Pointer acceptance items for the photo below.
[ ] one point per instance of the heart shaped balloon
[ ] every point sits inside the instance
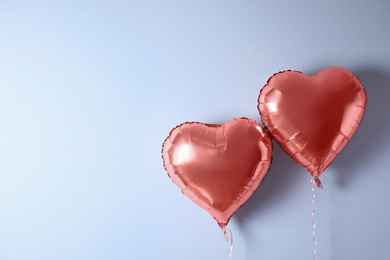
(218, 166)
(312, 118)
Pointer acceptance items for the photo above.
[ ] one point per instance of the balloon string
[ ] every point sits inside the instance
(313, 181)
(227, 239)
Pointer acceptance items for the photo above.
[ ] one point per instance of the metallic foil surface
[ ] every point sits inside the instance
(218, 167)
(312, 118)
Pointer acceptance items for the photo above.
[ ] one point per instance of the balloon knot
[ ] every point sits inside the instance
(318, 182)
(225, 233)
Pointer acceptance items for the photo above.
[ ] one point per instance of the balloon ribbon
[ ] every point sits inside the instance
(227, 239)
(314, 181)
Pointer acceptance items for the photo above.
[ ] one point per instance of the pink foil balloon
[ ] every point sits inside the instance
(218, 166)
(312, 118)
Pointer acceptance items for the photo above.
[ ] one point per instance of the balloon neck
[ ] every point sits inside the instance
(318, 182)
(223, 227)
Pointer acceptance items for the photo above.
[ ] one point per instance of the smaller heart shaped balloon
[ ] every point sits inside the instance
(312, 118)
(218, 166)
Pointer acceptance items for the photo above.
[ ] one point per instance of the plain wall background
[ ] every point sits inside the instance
(89, 90)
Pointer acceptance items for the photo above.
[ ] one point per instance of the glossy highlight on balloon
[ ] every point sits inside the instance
(218, 167)
(312, 118)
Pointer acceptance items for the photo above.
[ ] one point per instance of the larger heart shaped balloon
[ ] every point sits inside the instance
(218, 166)
(312, 118)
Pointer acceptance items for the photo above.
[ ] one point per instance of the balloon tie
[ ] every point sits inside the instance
(318, 182)
(227, 239)
(314, 181)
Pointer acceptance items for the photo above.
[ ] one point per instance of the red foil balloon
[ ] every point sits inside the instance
(312, 118)
(218, 166)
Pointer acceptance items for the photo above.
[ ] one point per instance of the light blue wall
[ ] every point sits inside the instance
(89, 90)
